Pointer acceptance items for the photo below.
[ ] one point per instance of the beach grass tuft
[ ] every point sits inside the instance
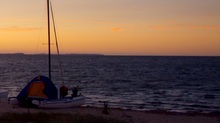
(42, 117)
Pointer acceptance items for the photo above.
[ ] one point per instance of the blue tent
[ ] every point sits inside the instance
(40, 88)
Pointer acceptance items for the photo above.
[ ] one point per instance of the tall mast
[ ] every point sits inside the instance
(48, 28)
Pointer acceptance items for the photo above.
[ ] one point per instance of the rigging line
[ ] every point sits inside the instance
(40, 38)
(57, 47)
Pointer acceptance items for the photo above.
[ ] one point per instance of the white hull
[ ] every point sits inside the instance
(61, 103)
(13, 101)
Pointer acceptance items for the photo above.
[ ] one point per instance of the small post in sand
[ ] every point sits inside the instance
(105, 110)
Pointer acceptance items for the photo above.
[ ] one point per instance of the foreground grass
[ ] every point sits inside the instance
(54, 118)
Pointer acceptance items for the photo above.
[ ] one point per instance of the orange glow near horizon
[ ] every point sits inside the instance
(142, 27)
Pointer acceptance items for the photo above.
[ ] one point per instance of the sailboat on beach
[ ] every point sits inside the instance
(41, 91)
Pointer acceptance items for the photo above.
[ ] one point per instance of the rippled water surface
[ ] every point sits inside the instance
(180, 84)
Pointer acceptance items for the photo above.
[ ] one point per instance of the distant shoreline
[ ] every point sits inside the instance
(85, 54)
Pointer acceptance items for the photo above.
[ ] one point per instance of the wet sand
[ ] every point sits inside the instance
(128, 116)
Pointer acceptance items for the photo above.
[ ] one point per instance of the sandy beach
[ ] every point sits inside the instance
(128, 116)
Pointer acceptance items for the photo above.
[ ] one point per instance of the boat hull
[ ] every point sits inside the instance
(61, 103)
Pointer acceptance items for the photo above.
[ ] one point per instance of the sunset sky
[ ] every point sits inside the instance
(113, 27)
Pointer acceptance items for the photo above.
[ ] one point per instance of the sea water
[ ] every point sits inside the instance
(176, 84)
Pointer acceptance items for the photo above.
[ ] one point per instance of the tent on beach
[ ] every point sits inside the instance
(40, 88)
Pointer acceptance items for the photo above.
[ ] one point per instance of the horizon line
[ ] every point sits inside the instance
(99, 54)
